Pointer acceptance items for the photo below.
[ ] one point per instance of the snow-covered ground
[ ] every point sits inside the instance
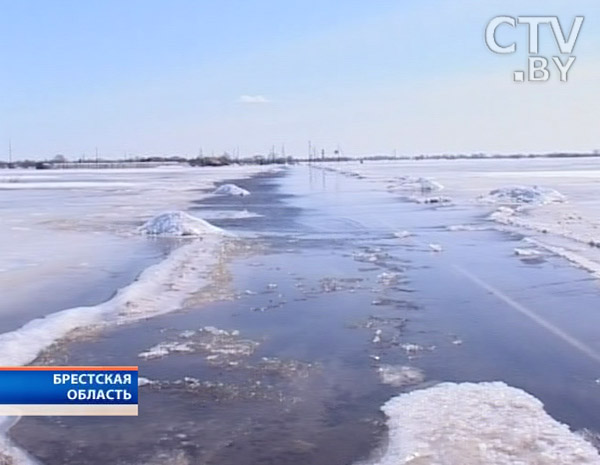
(554, 201)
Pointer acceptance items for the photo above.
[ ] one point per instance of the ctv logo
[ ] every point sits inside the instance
(539, 68)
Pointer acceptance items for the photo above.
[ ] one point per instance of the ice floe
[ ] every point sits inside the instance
(478, 424)
(178, 223)
(231, 189)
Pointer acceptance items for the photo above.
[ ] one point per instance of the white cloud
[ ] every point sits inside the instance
(254, 99)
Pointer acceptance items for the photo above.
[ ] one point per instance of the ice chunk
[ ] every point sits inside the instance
(166, 348)
(403, 234)
(436, 247)
(231, 189)
(215, 331)
(478, 424)
(178, 223)
(377, 337)
(145, 381)
(524, 195)
(411, 349)
(388, 279)
(399, 376)
(527, 253)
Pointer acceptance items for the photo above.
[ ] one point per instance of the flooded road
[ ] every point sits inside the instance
(336, 297)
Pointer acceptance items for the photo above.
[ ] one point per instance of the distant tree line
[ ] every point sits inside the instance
(60, 161)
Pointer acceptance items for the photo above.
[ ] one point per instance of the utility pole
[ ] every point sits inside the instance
(309, 151)
(10, 151)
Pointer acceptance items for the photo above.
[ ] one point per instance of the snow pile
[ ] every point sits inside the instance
(399, 376)
(532, 195)
(178, 223)
(478, 424)
(231, 189)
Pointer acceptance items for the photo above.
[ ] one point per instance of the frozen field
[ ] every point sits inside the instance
(377, 313)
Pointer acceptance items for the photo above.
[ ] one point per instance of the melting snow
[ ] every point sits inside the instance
(478, 424)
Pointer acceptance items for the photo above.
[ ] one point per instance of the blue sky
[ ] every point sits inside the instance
(168, 77)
